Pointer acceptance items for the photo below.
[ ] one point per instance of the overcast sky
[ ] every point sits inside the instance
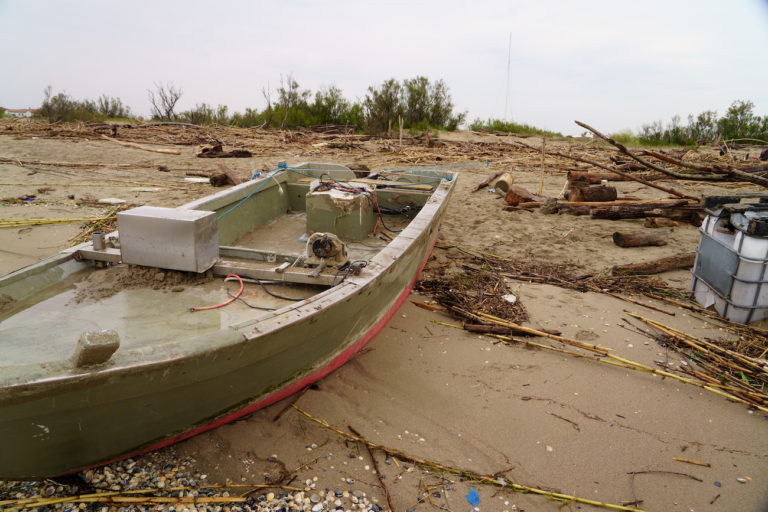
(615, 65)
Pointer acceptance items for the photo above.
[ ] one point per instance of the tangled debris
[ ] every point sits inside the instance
(562, 275)
(484, 290)
(736, 369)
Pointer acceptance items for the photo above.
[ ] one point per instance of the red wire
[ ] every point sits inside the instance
(242, 285)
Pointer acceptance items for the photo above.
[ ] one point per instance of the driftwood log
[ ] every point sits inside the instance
(659, 222)
(516, 195)
(143, 148)
(678, 261)
(503, 184)
(692, 214)
(489, 329)
(574, 209)
(487, 181)
(615, 171)
(528, 206)
(592, 194)
(217, 151)
(594, 178)
(219, 179)
(634, 211)
(231, 176)
(640, 239)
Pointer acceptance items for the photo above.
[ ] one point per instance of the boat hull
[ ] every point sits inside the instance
(56, 426)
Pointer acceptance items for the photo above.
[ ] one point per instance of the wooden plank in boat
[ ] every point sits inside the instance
(396, 184)
(247, 253)
(268, 272)
(108, 254)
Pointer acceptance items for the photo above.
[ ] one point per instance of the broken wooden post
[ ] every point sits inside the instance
(640, 239)
(231, 176)
(487, 181)
(503, 184)
(516, 195)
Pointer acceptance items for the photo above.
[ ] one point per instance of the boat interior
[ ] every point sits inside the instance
(283, 237)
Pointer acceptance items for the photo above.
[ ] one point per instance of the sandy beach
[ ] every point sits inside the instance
(527, 416)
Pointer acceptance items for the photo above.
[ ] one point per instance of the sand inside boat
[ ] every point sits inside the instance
(150, 307)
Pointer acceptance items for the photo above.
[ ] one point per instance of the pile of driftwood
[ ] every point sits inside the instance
(602, 202)
(216, 150)
(589, 192)
(484, 289)
(735, 368)
(482, 286)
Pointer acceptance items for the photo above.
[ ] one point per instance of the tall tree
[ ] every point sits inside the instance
(383, 105)
(163, 100)
(418, 101)
(293, 101)
(330, 106)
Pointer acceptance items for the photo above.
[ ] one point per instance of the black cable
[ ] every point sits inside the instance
(272, 293)
(349, 268)
(381, 218)
(371, 200)
(249, 305)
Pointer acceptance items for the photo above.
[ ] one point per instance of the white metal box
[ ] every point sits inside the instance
(169, 238)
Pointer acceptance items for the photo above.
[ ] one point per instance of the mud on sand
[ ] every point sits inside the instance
(545, 420)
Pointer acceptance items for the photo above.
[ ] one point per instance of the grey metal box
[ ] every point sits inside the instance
(169, 238)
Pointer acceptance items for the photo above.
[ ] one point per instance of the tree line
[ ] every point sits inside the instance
(740, 122)
(415, 104)
(62, 107)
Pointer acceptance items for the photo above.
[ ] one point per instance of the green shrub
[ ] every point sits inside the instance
(417, 101)
(625, 137)
(62, 107)
(498, 125)
(739, 122)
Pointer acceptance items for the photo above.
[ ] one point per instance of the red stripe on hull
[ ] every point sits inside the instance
(300, 384)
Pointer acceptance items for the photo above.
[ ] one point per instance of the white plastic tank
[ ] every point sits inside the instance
(744, 296)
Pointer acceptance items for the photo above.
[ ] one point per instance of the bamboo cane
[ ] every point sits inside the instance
(561, 339)
(692, 341)
(469, 475)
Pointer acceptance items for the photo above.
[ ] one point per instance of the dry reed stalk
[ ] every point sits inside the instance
(490, 480)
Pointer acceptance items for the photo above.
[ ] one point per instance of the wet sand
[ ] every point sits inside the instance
(533, 417)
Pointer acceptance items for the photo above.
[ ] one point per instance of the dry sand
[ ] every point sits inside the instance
(534, 417)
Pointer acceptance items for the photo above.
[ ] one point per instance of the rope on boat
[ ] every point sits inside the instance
(272, 175)
(273, 172)
(486, 163)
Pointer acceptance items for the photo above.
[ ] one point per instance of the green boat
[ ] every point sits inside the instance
(187, 318)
